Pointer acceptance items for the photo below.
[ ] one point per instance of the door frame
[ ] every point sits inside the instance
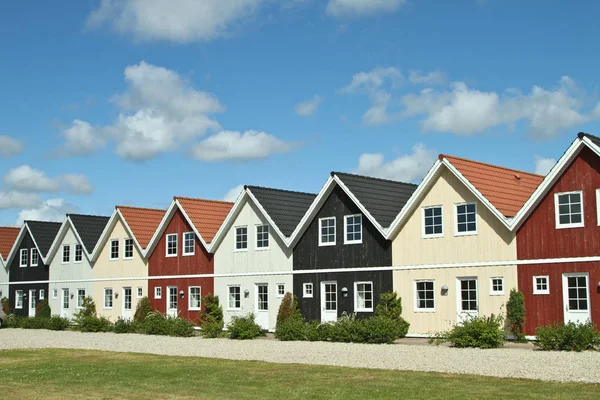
(459, 310)
(123, 310)
(31, 294)
(323, 297)
(169, 301)
(63, 311)
(565, 290)
(262, 316)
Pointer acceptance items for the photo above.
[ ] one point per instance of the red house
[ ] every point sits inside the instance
(179, 247)
(562, 220)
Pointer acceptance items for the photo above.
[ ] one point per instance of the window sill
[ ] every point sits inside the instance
(22, 266)
(465, 233)
(570, 226)
(34, 265)
(363, 310)
(189, 254)
(171, 255)
(127, 258)
(158, 298)
(77, 262)
(541, 293)
(234, 309)
(497, 294)
(306, 296)
(193, 309)
(425, 310)
(107, 308)
(354, 242)
(326, 244)
(240, 250)
(113, 259)
(437, 236)
(262, 248)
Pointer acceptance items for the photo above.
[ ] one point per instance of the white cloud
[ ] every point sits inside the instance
(10, 146)
(235, 146)
(28, 179)
(180, 21)
(14, 199)
(406, 168)
(77, 183)
(233, 193)
(431, 78)
(81, 139)
(309, 107)
(362, 8)
(49, 210)
(544, 165)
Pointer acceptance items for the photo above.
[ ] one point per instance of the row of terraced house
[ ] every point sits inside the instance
(458, 243)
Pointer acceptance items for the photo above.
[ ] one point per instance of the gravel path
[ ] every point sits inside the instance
(508, 362)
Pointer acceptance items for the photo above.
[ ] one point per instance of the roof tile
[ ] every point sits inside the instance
(7, 240)
(206, 215)
(143, 222)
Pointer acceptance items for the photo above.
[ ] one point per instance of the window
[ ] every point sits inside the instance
(497, 286)
(19, 299)
(235, 298)
(35, 257)
(80, 297)
(54, 294)
(353, 229)
(42, 294)
(78, 253)
(241, 238)
(23, 260)
(158, 292)
(307, 290)
(128, 245)
(425, 296)
(66, 253)
(263, 297)
(262, 236)
(280, 290)
(188, 244)
(466, 219)
(541, 285)
(114, 249)
(327, 231)
(568, 208)
(363, 296)
(432, 222)
(598, 205)
(172, 245)
(140, 292)
(65, 299)
(108, 298)
(194, 298)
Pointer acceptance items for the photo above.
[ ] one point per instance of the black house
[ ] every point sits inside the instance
(345, 228)
(27, 263)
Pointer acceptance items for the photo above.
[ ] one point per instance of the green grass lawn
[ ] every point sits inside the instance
(31, 374)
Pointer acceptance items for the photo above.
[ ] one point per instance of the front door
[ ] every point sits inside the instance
(64, 304)
(468, 301)
(576, 297)
(329, 301)
(32, 302)
(262, 305)
(172, 301)
(126, 303)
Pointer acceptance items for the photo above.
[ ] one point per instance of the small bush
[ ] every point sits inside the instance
(93, 324)
(124, 326)
(34, 323)
(483, 332)
(390, 306)
(210, 319)
(515, 314)
(88, 309)
(157, 324)
(42, 309)
(142, 309)
(292, 328)
(6, 306)
(180, 327)
(569, 337)
(317, 331)
(57, 323)
(346, 329)
(288, 308)
(13, 321)
(212, 329)
(244, 327)
(380, 329)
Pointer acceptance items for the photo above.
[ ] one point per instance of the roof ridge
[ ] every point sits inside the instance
(87, 215)
(441, 156)
(580, 135)
(42, 222)
(279, 190)
(141, 208)
(200, 199)
(10, 227)
(372, 177)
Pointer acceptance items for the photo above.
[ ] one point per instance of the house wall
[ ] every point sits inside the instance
(308, 255)
(3, 278)
(228, 260)
(493, 242)
(160, 265)
(121, 268)
(538, 238)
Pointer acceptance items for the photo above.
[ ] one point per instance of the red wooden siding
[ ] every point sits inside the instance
(538, 238)
(160, 265)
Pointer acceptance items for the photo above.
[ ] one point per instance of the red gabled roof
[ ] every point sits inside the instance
(142, 221)
(507, 189)
(206, 215)
(7, 240)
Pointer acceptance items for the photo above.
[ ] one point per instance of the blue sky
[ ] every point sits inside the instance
(132, 102)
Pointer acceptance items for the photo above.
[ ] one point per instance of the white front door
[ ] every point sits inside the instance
(262, 305)
(329, 301)
(32, 302)
(64, 304)
(576, 297)
(172, 301)
(126, 303)
(468, 300)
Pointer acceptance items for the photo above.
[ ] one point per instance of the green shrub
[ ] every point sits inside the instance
(157, 324)
(124, 326)
(483, 332)
(42, 309)
(57, 323)
(380, 329)
(212, 329)
(390, 305)
(88, 309)
(210, 319)
(347, 329)
(292, 328)
(142, 309)
(288, 308)
(569, 337)
(34, 323)
(515, 314)
(179, 327)
(317, 331)
(244, 327)
(6, 306)
(13, 321)
(93, 324)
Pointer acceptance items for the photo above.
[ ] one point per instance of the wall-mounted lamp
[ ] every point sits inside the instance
(181, 294)
(246, 293)
(72, 294)
(345, 291)
(444, 290)
(116, 295)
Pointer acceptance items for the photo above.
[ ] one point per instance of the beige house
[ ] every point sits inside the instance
(460, 214)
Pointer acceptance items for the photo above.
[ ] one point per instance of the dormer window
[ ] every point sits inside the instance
(568, 208)
(327, 231)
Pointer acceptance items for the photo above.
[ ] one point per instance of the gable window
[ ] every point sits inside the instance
(307, 290)
(108, 298)
(194, 298)
(78, 253)
(128, 245)
(188, 244)
(172, 245)
(432, 222)
(363, 296)
(424, 296)
(54, 294)
(262, 236)
(19, 299)
(280, 290)
(353, 229)
(114, 249)
(34, 257)
(568, 208)
(80, 297)
(466, 219)
(23, 260)
(541, 284)
(235, 298)
(327, 231)
(42, 294)
(497, 286)
(241, 238)
(66, 253)
(140, 292)
(158, 292)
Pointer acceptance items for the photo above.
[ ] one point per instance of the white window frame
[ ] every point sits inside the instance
(41, 291)
(66, 246)
(138, 295)
(26, 252)
(75, 261)
(37, 260)
(416, 297)
(433, 235)
(268, 237)
(598, 205)
(190, 308)
(110, 250)
(277, 294)
(542, 291)
(496, 292)
(305, 286)
(235, 238)
(346, 241)
(167, 245)
(356, 308)
(158, 292)
(112, 301)
(557, 216)
(468, 233)
(54, 294)
(183, 241)
(125, 249)
(84, 295)
(229, 295)
(17, 292)
(321, 231)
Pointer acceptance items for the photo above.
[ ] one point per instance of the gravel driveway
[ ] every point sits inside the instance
(508, 362)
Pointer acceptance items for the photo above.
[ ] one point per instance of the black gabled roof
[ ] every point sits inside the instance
(43, 234)
(594, 139)
(286, 208)
(89, 228)
(383, 198)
